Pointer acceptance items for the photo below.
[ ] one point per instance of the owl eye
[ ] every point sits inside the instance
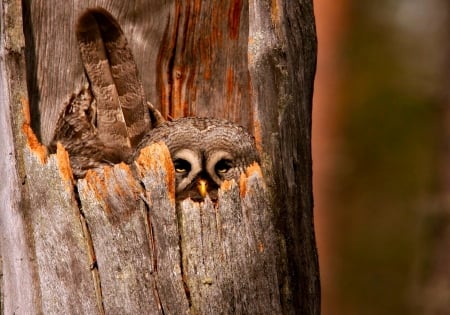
(223, 166)
(181, 166)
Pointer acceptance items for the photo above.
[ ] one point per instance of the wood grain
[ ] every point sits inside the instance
(194, 76)
(282, 63)
(54, 67)
(255, 66)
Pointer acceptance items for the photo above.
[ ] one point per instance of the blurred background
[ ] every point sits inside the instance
(381, 135)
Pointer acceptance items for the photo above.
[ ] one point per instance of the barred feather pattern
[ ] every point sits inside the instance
(109, 121)
(106, 120)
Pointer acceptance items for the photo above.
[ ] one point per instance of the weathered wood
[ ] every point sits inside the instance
(178, 49)
(56, 234)
(163, 227)
(54, 67)
(282, 63)
(230, 251)
(117, 242)
(15, 250)
(202, 64)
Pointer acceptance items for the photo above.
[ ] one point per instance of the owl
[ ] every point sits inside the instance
(109, 121)
(205, 152)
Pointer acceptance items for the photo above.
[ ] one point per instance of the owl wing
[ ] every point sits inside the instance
(122, 114)
(105, 121)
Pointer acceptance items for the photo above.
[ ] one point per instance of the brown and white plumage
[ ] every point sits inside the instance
(109, 121)
(106, 120)
(205, 153)
(123, 117)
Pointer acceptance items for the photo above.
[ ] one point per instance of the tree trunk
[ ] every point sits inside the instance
(116, 241)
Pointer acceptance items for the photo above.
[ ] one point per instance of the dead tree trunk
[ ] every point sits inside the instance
(65, 249)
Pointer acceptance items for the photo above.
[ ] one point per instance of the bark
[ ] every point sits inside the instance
(116, 241)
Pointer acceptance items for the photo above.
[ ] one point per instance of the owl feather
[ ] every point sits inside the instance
(109, 121)
(106, 120)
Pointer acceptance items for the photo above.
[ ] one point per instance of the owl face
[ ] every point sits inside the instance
(205, 152)
(199, 173)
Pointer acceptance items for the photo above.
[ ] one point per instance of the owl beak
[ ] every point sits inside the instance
(202, 186)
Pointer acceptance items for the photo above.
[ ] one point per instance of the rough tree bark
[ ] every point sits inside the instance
(64, 249)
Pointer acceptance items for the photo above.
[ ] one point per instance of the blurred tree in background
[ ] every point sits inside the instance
(382, 198)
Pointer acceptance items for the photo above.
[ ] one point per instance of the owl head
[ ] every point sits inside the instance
(205, 152)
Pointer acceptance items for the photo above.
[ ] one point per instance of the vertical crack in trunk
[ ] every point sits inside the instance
(91, 252)
(166, 63)
(150, 234)
(158, 298)
(183, 275)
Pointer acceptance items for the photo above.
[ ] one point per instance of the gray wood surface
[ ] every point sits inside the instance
(54, 67)
(282, 65)
(115, 242)
(16, 253)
